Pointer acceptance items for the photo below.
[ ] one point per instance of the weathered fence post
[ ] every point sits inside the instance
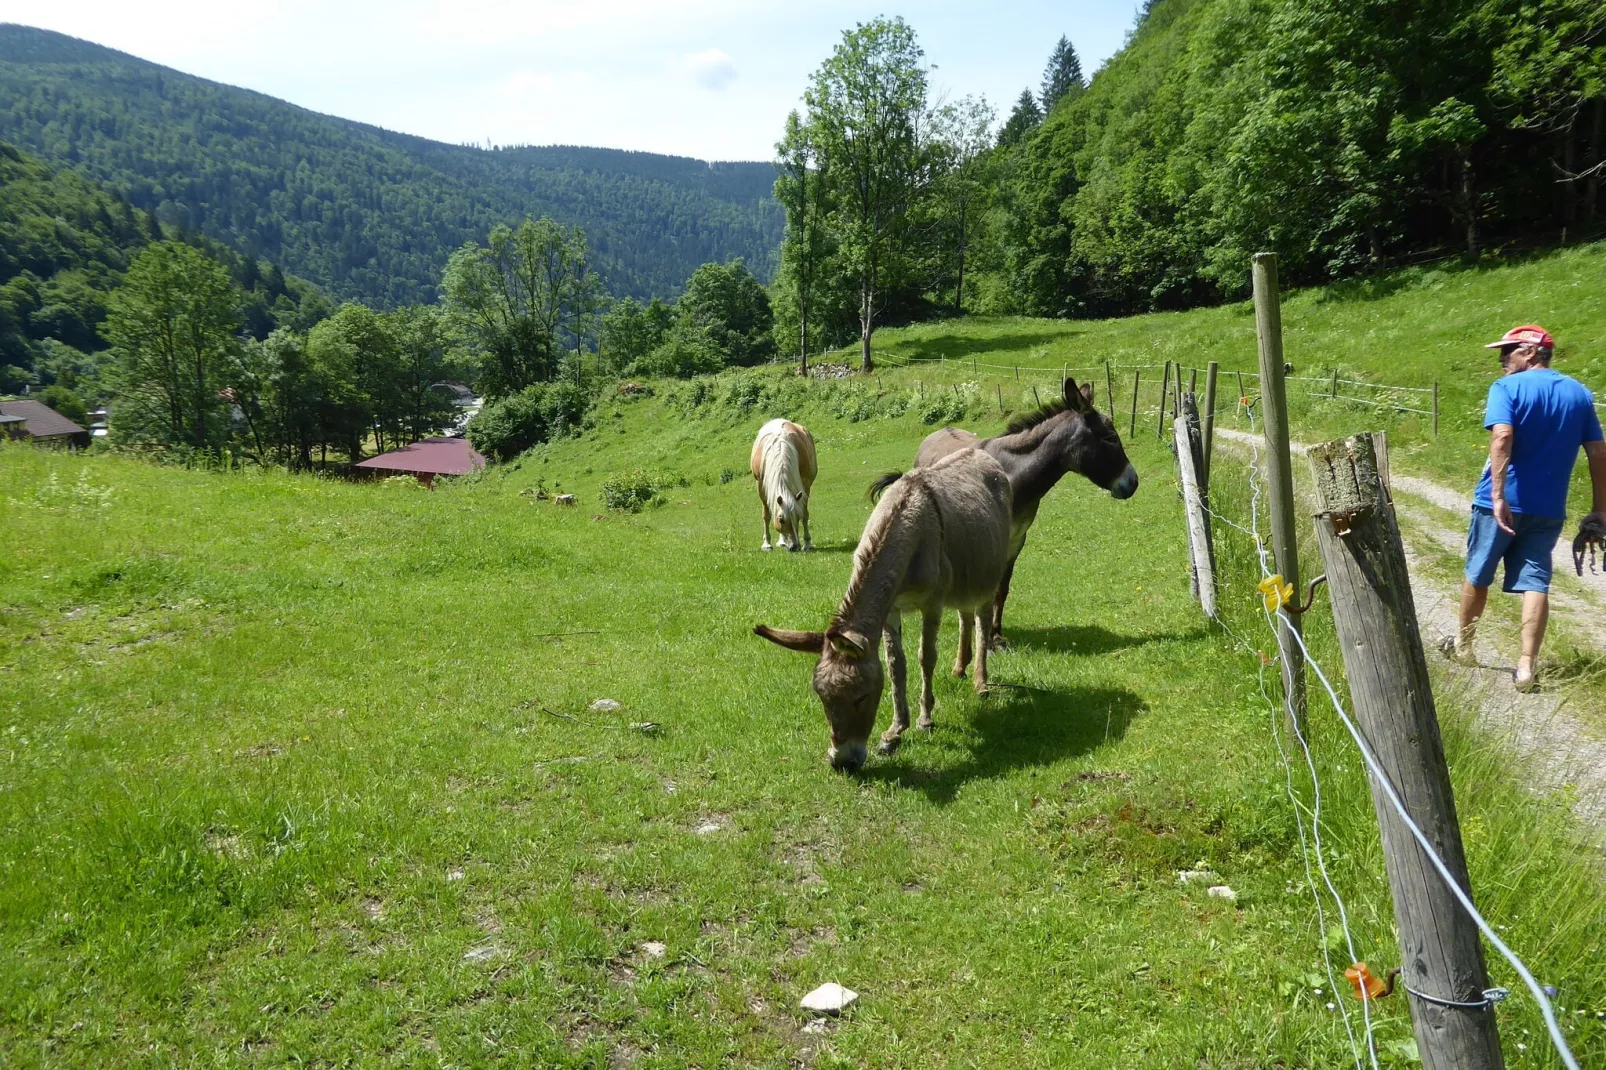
(1193, 381)
(1334, 393)
(1201, 552)
(1132, 424)
(1280, 477)
(1393, 704)
(1435, 408)
(1242, 394)
(1109, 388)
(1165, 393)
(1000, 387)
(1207, 433)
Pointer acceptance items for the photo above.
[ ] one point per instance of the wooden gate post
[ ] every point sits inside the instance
(1132, 424)
(1441, 954)
(1279, 474)
(1165, 395)
(1207, 431)
(1201, 551)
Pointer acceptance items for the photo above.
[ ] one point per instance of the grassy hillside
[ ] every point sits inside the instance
(365, 213)
(299, 770)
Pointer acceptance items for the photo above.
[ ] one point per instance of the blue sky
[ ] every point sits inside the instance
(706, 78)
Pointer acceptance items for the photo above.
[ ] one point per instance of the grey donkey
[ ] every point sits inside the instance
(1068, 434)
(938, 538)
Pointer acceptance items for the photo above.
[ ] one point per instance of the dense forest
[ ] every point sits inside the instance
(65, 245)
(1348, 137)
(364, 213)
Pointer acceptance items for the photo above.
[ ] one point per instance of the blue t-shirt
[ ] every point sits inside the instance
(1551, 417)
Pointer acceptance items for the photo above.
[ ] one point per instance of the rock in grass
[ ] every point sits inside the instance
(604, 705)
(829, 998)
(653, 949)
(1188, 876)
(1221, 891)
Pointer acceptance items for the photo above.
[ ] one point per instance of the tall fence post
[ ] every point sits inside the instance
(1435, 408)
(1109, 388)
(1393, 704)
(1242, 394)
(1165, 394)
(1280, 476)
(1201, 552)
(1207, 432)
(1132, 424)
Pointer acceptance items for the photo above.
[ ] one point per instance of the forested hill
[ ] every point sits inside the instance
(366, 213)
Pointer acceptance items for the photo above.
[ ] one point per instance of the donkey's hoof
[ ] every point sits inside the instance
(959, 672)
(889, 746)
(925, 724)
(765, 546)
(996, 643)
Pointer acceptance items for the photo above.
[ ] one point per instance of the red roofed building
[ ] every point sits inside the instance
(41, 423)
(425, 460)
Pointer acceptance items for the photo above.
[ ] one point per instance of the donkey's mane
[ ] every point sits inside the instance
(871, 544)
(1042, 415)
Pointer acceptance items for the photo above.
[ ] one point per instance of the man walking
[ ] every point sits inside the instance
(1537, 419)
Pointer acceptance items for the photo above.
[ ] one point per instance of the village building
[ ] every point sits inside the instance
(424, 461)
(40, 423)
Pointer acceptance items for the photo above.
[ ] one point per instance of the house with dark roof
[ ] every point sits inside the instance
(424, 460)
(41, 423)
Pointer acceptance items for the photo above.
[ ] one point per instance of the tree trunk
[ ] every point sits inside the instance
(866, 326)
(803, 334)
(1469, 204)
(1569, 188)
(959, 290)
(1597, 145)
(200, 404)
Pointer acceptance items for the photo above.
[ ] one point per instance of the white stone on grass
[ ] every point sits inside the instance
(603, 705)
(1188, 876)
(480, 954)
(653, 949)
(707, 828)
(1221, 891)
(829, 998)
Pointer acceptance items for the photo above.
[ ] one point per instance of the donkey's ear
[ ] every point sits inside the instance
(1078, 399)
(807, 642)
(849, 644)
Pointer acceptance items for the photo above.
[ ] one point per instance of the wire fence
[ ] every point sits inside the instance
(1311, 845)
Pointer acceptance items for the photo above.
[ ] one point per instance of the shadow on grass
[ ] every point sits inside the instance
(1087, 639)
(1014, 728)
(843, 547)
(956, 347)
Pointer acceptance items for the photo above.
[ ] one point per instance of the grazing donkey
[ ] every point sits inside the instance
(783, 463)
(1067, 435)
(938, 538)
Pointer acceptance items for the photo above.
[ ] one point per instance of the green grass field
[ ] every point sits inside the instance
(295, 771)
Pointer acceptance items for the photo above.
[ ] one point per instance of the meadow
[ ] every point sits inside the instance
(294, 770)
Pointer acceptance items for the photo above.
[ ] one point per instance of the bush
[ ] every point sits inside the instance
(951, 405)
(510, 425)
(630, 491)
(686, 351)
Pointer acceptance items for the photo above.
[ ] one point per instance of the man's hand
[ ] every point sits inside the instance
(1503, 517)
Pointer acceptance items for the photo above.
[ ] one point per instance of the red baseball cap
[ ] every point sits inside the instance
(1530, 334)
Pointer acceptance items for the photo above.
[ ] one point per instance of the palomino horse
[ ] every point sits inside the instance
(1067, 435)
(783, 464)
(938, 538)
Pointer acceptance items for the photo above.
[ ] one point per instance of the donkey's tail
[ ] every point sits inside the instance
(876, 489)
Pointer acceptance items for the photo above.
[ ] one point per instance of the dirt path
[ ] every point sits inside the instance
(1562, 755)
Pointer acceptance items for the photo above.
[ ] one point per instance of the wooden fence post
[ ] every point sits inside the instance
(1241, 392)
(1000, 387)
(1109, 388)
(1165, 394)
(1193, 381)
(1279, 475)
(1435, 408)
(1392, 698)
(1201, 552)
(1334, 393)
(1207, 432)
(1132, 424)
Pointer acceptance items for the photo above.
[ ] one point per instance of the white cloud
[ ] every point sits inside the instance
(711, 68)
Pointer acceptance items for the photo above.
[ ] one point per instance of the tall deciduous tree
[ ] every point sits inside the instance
(802, 187)
(1063, 75)
(171, 325)
(867, 110)
(963, 142)
(518, 299)
(727, 304)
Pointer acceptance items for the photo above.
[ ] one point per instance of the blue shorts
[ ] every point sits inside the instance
(1526, 554)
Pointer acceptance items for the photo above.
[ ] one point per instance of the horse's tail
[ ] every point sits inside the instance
(876, 489)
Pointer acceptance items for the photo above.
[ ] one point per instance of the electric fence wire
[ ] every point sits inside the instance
(1315, 808)
(1552, 1026)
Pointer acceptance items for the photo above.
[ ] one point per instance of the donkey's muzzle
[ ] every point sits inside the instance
(848, 758)
(1127, 485)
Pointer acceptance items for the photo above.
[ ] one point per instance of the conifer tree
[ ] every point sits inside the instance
(1063, 75)
(1026, 117)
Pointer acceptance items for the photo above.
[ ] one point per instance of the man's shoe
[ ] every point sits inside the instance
(1461, 655)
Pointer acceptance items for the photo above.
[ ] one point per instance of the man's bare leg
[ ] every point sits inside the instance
(1535, 616)
(1473, 602)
